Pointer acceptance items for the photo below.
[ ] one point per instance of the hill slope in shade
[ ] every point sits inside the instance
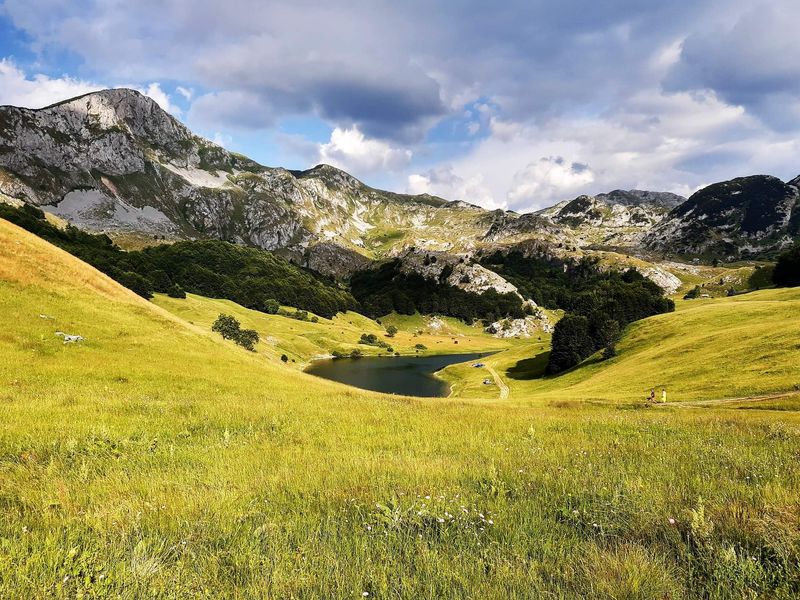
(747, 216)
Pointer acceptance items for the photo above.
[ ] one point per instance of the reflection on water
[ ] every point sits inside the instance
(406, 375)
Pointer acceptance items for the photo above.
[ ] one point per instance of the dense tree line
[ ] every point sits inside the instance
(598, 314)
(386, 289)
(598, 304)
(249, 276)
(551, 284)
(787, 269)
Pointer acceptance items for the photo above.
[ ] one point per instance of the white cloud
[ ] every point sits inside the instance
(187, 93)
(161, 98)
(349, 149)
(442, 181)
(548, 177)
(40, 90)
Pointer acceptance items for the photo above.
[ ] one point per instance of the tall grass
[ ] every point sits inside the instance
(156, 460)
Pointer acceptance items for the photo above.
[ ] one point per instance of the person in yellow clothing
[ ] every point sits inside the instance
(663, 394)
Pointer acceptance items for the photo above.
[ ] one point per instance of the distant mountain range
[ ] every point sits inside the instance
(114, 161)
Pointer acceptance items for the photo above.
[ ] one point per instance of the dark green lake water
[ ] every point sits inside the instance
(406, 375)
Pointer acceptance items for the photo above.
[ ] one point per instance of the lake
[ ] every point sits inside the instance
(406, 375)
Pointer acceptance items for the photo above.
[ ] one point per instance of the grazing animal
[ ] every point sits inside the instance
(70, 339)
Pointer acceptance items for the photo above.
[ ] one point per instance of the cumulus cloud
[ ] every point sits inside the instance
(548, 177)
(755, 62)
(154, 91)
(38, 91)
(444, 182)
(350, 150)
(660, 95)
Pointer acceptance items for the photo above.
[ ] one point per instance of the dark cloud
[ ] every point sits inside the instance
(754, 62)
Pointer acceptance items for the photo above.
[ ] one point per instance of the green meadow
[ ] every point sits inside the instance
(156, 460)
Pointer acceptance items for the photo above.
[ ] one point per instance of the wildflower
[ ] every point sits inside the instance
(440, 519)
(490, 522)
(427, 497)
(671, 521)
(365, 594)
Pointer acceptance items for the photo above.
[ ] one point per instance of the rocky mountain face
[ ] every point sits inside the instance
(114, 161)
(741, 218)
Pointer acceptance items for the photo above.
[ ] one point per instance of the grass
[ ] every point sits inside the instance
(742, 346)
(156, 460)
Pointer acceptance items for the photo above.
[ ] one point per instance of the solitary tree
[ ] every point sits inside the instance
(391, 330)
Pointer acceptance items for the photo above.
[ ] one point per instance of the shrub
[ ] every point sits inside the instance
(693, 293)
(284, 358)
(230, 329)
(271, 306)
(420, 347)
(247, 338)
(391, 331)
(787, 269)
(135, 283)
(227, 326)
(356, 353)
(760, 278)
(176, 291)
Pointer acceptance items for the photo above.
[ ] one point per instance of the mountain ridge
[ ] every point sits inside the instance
(114, 161)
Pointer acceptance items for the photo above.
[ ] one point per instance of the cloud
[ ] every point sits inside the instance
(233, 110)
(350, 150)
(548, 177)
(660, 95)
(754, 62)
(154, 91)
(443, 181)
(38, 91)
(187, 93)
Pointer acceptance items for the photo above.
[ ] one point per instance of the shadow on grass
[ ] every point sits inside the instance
(529, 368)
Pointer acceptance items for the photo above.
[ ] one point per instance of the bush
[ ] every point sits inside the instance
(391, 331)
(247, 338)
(176, 291)
(693, 293)
(135, 283)
(356, 353)
(760, 278)
(420, 347)
(787, 269)
(230, 329)
(369, 339)
(227, 326)
(271, 307)
(284, 358)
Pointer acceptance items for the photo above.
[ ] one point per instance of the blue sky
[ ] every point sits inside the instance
(516, 104)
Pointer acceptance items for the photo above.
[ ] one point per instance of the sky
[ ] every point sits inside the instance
(510, 104)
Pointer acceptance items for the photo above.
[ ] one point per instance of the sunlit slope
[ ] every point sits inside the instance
(157, 461)
(132, 349)
(302, 341)
(707, 349)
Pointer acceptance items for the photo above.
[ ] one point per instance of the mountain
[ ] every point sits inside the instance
(616, 219)
(115, 161)
(740, 218)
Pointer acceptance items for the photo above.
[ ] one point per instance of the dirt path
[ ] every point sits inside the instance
(500, 383)
(724, 401)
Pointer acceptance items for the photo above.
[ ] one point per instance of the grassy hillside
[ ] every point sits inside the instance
(747, 345)
(156, 460)
(303, 341)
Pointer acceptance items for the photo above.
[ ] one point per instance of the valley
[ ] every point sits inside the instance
(144, 454)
